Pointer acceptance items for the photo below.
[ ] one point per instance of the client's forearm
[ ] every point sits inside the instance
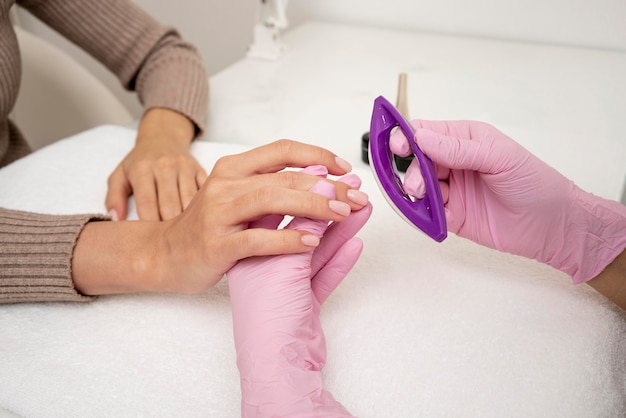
(116, 257)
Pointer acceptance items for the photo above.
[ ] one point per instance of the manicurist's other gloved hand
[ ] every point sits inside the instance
(276, 301)
(498, 194)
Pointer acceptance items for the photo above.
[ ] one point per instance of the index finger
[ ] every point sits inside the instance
(277, 156)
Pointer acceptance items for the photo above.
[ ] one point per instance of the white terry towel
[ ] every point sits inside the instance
(417, 328)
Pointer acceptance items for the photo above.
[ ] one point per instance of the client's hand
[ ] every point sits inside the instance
(160, 170)
(276, 301)
(191, 252)
(498, 194)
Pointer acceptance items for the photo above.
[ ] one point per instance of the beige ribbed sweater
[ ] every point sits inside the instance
(152, 59)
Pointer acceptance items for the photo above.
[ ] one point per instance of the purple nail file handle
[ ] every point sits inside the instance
(426, 214)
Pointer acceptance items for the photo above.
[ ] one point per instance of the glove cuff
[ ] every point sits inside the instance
(595, 234)
(289, 393)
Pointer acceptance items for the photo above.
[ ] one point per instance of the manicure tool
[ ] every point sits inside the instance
(426, 214)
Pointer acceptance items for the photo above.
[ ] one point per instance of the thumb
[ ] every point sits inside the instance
(338, 267)
(337, 235)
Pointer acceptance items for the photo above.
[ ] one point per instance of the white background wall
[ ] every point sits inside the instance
(600, 23)
(222, 29)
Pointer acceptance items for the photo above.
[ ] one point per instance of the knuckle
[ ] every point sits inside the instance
(285, 240)
(289, 179)
(483, 125)
(266, 243)
(216, 186)
(139, 172)
(247, 241)
(111, 180)
(264, 195)
(115, 176)
(141, 166)
(284, 146)
(262, 200)
(166, 164)
(222, 164)
(143, 201)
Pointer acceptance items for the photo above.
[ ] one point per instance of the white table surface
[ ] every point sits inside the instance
(566, 105)
(417, 328)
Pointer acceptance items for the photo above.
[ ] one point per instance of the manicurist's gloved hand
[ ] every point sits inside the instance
(276, 301)
(498, 194)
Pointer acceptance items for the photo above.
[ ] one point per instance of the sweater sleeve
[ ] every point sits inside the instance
(146, 56)
(36, 256)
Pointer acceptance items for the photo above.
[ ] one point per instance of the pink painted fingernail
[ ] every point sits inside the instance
(339, 207)
(358, 196)
(310, 240)
(343, 164)
(113, 215)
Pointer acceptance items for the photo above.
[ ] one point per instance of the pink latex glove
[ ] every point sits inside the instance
(276, 301)
(498, 194)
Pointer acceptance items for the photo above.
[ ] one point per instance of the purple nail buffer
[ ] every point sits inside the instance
(426, 214)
